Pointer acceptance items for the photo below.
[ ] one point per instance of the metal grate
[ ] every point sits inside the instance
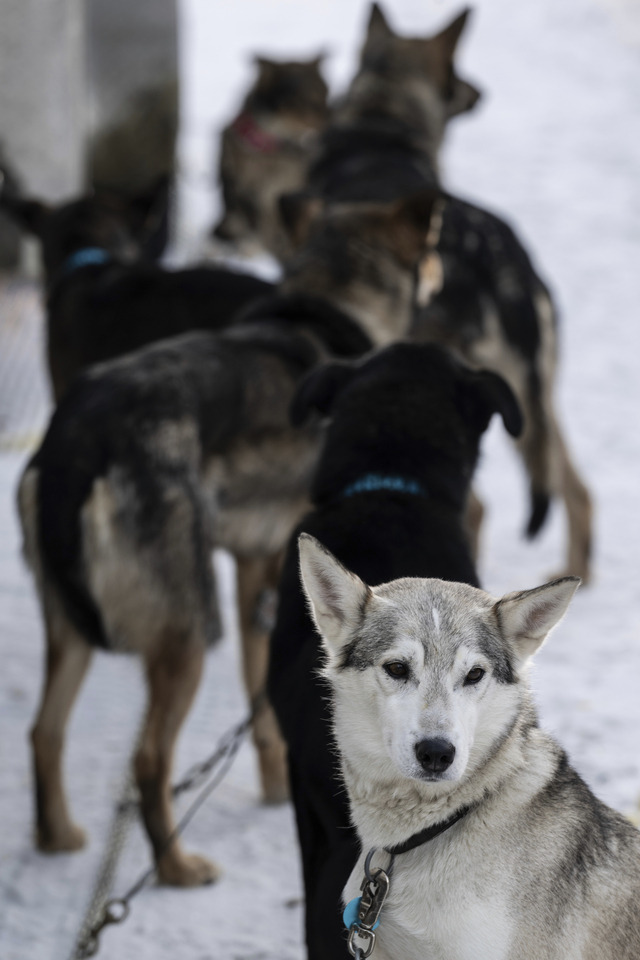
(25, 402)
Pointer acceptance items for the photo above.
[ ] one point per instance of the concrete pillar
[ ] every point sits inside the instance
(42, 100)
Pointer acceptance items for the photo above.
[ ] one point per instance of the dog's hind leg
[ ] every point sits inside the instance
(68, 657)
(173, 673)
(257, 577)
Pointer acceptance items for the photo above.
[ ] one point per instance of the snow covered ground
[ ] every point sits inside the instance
(555, 147)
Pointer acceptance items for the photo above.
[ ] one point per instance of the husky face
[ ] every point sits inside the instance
(426, 675)
(437, 680)
(428, 684)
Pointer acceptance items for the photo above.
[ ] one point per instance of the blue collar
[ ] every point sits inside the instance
(87, 256)
(372, 482)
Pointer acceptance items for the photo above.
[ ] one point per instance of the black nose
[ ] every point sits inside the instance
(435, 756)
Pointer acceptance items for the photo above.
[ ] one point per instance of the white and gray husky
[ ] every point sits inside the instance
(439, 742)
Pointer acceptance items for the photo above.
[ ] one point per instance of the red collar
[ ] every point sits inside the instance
(250, 132)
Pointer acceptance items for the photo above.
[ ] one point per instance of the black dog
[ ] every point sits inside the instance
(390, 494)
(99, 305)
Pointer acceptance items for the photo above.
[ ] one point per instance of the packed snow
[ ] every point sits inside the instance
(555, 148)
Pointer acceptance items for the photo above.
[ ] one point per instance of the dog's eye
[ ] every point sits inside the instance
(397, 669)
(474, 676)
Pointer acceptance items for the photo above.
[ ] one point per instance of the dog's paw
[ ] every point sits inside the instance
(187, 870)
(64, 839)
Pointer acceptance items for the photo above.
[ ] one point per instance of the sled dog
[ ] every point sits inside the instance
(154, 459)
(437, 732)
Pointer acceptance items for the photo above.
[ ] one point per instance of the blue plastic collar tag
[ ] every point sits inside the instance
(350, 914)
(85, 257)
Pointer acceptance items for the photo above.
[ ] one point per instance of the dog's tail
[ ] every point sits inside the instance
(52, 490)
(535, 446)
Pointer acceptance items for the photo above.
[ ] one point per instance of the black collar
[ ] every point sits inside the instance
(429, 833)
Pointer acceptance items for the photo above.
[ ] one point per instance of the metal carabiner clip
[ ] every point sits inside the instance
(369, 938)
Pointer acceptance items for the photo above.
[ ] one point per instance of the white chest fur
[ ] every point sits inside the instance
(441, 909)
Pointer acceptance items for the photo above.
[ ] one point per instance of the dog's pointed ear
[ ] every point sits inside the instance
(336, 596)
(319, 389)
(447, 40)
(297, 212)
(378, 26)
(460, 95)
(490, 393)
(526, 618)
(29, 215)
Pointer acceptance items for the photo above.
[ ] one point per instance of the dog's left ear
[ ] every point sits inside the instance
(490, 394)
(336, 596)
(319, 390)
(527, 618)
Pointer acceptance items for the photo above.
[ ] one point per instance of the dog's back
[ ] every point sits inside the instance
(98, 315)
(122, 474)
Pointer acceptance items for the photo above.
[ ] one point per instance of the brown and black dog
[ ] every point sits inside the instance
(492, 308)
(153, 460)
(265, 150)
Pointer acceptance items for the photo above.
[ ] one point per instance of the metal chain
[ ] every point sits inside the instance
(374, 892)
(123, 818)
(116, 910)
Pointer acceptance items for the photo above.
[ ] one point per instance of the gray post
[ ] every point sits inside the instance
(132, 57)
(42, 94)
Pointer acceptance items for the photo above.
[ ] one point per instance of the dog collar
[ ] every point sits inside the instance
(371, 482)
(429, 833)
(250, 132)
(361, 915)
(85, 257)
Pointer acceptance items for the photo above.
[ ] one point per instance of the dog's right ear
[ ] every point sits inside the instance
(29, 215)
(318, 390)
(336, 596)
(492, 394)
(297, 212)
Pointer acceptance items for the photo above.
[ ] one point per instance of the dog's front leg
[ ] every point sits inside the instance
(173, 673)
(257, 579)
